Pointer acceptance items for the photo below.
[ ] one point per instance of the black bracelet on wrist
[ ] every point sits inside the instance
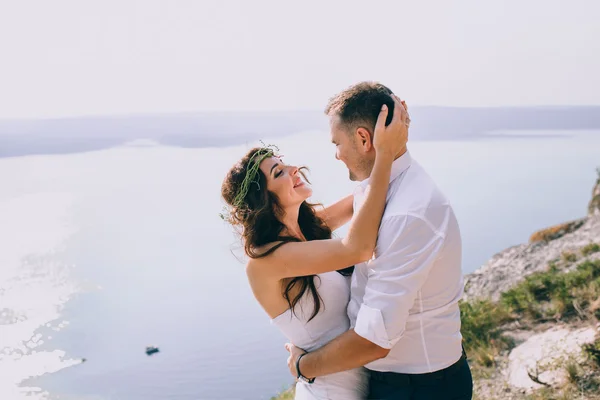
(300, 376)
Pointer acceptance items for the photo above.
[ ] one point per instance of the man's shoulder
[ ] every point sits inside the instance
(414, 194)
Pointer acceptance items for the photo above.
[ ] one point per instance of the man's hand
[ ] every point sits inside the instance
(295, 352)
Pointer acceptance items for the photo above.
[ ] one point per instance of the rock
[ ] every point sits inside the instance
(543, 357)
(594, 206)
(512, 265)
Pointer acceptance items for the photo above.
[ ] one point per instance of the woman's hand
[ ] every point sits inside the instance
(295, 352)
(390, 140)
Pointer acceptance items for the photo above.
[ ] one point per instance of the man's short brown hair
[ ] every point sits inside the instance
(360, 104)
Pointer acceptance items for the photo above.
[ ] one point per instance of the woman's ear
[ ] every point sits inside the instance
(365, 139)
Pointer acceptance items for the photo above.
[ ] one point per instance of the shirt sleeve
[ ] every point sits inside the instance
(407, 248)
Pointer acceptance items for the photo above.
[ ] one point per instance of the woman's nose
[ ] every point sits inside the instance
(294, 170)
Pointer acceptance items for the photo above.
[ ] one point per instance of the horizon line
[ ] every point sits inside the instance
(277, 111)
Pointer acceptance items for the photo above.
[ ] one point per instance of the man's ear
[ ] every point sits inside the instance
(365, 139)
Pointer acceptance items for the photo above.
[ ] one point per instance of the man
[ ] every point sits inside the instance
(404, 315)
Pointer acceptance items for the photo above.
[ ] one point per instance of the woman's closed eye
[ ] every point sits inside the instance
(278, 173)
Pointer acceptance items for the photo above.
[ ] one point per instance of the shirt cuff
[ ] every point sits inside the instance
(370, 325)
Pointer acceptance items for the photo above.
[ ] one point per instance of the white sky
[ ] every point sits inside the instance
(61, 58)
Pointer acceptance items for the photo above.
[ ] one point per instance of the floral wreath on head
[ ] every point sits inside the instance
(252, 169)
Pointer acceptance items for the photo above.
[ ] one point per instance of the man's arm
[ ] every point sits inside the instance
(407, 248)
(339, 213)
(345, 352)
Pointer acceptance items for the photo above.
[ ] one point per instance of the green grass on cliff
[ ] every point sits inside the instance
(557, 295)
(481, 322)
(590, 248)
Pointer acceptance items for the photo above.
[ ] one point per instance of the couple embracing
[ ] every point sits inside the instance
(373, 315)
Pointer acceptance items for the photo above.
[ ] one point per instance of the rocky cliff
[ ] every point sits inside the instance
(530, 315)
(514, 264)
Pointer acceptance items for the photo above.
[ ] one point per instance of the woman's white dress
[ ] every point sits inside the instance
(332, 321)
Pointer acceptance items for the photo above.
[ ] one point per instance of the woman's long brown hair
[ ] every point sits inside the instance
(260, 220)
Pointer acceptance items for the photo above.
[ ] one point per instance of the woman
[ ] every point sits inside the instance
(297, 272)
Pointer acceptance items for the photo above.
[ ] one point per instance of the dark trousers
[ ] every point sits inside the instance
(452, 383)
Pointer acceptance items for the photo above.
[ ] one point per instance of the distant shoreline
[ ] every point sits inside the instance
(197, 130)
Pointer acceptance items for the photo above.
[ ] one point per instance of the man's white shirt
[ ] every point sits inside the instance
(406, 297)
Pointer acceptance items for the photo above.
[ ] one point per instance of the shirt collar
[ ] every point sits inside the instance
(399, 165)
